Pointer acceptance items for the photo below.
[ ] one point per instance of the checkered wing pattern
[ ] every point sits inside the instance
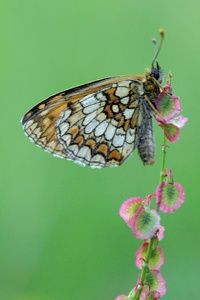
(98, 124)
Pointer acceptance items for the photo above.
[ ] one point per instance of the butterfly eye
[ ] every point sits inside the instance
(157, 73)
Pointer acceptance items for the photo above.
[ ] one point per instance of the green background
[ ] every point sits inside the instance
(61, 236)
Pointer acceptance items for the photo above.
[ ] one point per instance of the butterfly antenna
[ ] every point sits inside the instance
(157, 49)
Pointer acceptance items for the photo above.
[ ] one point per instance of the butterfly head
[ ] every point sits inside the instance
(157, 72)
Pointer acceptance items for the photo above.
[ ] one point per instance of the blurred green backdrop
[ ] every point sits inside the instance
(61, 236)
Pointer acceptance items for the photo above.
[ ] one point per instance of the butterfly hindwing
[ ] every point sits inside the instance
(97, 124)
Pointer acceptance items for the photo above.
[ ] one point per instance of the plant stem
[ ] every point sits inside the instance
(145, 267)
(163, 158)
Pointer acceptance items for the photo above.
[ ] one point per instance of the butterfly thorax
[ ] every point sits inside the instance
(151, 86)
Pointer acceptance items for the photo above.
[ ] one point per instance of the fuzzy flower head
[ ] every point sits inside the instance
(129, 208)
(156, 259)
(168, 106)
(143, 221)
(154, 283)
(169, 196)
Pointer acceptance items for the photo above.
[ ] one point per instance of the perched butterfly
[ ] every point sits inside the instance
(100, 123)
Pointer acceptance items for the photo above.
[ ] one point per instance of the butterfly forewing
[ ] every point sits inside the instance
(98, 124)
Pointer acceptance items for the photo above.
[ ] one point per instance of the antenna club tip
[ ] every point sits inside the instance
(162, 32)
(154, 41)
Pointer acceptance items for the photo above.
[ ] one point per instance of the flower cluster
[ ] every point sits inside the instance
(145, 221)
(168, 106)
(145, 224)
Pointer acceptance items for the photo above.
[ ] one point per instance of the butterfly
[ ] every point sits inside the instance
(99, 124)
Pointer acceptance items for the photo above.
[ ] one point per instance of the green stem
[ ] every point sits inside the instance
(163, 158)
(145, 267)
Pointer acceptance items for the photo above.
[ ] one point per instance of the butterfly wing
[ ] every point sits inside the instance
(98, 124)
(39, 123)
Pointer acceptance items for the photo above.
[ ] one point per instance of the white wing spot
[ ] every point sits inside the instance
(91, 126)
(37, 132)
(99, 159)
(29, 123)
(115, 108)
(127, 149)
(64, 115)
(120, 131)
(89, 118)
(63, 128)
(89, 100)
(130, 136)
(101, 97)
(85, 152)
(125, 100)
(128, 113)
(42, 141)
(67, 139)
(124, 83)
(122, 92)
(73, 150)
(118, 140)
(110, 131)
(91, 108)
(52, 145)
(101, 117)
(74, 118)
(100, 129)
